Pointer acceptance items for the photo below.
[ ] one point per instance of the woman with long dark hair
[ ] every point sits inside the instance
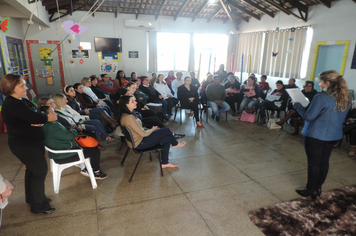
(120, 79)
(26, 139)
(323, 128)
(146, 138)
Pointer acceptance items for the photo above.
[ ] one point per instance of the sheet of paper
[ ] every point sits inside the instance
(272, 97)
(298, 96)
(154, 104)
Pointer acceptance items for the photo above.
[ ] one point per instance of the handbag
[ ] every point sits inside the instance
(86, 141)
(271, 124)
(248, 117)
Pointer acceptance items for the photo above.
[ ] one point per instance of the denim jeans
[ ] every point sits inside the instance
(96, 127)
(217, 109)
(162, 136)
(248, 103)
(318, 154)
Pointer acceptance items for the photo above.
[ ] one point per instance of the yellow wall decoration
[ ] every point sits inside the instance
(345, 42)
(101, 59)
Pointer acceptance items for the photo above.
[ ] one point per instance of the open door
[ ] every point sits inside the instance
(329, 56)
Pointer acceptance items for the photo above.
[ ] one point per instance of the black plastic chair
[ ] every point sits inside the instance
(205, 108)
(156, 149)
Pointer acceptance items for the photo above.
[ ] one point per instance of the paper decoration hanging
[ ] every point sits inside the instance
(289, 51)
(81, 61)
(274, 54)
(108, 67)
(292, 29)
(4, 24)
(276, 41)
(277, 28)
(72, 28)
(291, 39)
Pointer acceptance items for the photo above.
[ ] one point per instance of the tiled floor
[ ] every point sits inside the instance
(226, 170)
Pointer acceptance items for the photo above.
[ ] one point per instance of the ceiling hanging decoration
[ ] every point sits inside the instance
(4, 24)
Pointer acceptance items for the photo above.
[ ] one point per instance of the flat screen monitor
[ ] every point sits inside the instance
(108, 44)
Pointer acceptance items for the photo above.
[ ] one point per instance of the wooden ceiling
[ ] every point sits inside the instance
(234, 10)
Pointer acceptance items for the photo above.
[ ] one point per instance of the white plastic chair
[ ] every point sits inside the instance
(57, 169)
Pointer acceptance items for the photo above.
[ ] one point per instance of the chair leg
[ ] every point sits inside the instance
(160, 162)
(175, 114)
(150, 157)
(124, 158)
(122, 142)
(91, 173)
(135, 168)
(55, 176)
(206, 114)
(180, 116)
(226, 116)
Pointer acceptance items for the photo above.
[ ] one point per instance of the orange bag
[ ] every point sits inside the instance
(86, 141)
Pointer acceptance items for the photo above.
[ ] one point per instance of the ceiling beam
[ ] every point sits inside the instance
(301, 9)
(180, 10)
(159, 9)
(139, 8)
(327, 3)
(67, 13)
(258, 7)
(250, 13)
(225, 6)
(201, 10)
(215, 14)
(116, 9)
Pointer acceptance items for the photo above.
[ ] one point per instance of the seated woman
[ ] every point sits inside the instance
(99, 92)
(65, 111)
(233, 94)
(309, 92)
(107, 85)
(278, 104)
(139, 94)
(252, 93)
(188, 97)
(96, 113)
(163, 89)
(58, 137)
(120, 79)
(146, 138)
(88, 91)
(204, 84)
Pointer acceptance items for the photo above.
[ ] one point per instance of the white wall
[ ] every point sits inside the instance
(106, 25)
(336, 23)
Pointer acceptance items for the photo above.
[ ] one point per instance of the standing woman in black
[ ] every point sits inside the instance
(26, 139)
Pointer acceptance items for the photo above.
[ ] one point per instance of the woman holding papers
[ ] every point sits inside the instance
(232, 89)
(277, 100)
(323, 128)
(252, 93)
(309, 92)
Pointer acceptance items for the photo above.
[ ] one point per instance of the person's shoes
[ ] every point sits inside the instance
(180, 144)
(178, 136)
(262, 121)
(308, 193)
(101, 148)
(213, 116)
(218, 118)
(166, 117)
(100, 175)
(191, 114)
(318, 192)
(85, 172)
(50, 210)
(200, 125)
(234, 114)
(169, 165)
(111, 139)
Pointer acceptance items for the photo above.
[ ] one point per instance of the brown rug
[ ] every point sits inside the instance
(333, 213)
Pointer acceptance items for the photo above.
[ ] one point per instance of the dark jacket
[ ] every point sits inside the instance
(184, 94)
(73, 103)
(284, 97)
(235, 85)
(85, 100)
(152, 93)
(18, 115)
(98, 91)
(59, 138)
(257, 91)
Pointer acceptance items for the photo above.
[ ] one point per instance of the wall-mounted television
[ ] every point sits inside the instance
(108, 44)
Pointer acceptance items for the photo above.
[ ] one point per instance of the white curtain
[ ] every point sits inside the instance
(191, 62)
(152, 51)
(232, 53)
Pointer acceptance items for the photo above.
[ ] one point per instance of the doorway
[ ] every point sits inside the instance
(329, 56)
(43, 81)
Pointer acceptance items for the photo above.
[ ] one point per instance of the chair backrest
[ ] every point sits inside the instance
(128, 135)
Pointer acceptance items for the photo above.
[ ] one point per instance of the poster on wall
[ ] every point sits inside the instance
(108, 67)
(80, 54)
(353, 62)
(133, 54)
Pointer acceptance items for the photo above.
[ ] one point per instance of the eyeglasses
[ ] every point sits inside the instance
(49, 103)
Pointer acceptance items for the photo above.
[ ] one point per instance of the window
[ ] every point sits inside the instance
(172, 51)
(213, 50)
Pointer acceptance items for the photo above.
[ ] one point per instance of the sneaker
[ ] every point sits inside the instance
(218, 118)
(100, 175)
(213, 116)
(85, 172)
